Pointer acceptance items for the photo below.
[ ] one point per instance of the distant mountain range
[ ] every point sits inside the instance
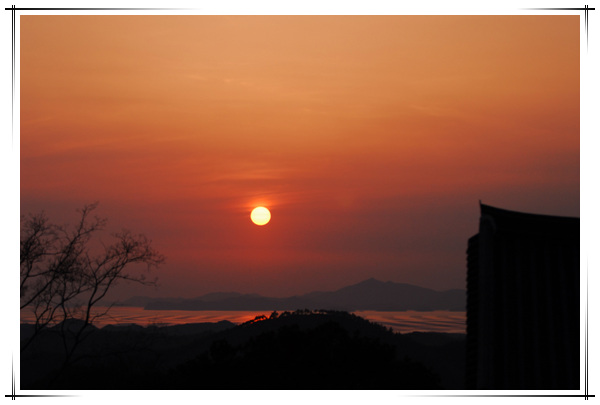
(370, 294)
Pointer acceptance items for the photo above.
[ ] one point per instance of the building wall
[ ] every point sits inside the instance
(472, 312)
(523, 302)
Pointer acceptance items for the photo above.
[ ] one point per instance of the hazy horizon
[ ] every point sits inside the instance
(276, 295)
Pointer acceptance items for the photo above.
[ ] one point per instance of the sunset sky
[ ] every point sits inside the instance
(370, 138)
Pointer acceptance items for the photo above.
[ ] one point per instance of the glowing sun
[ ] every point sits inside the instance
(260, 216)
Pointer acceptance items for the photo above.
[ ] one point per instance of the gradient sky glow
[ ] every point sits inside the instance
(371, 139)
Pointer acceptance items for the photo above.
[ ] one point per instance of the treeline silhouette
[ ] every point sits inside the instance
(326, 357)
(293, 350)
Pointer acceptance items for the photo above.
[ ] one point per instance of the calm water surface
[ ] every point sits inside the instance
(401, 321)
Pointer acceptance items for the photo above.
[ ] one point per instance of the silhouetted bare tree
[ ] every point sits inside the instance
(63, 277)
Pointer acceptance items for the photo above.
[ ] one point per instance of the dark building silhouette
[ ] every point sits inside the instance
(523, 302)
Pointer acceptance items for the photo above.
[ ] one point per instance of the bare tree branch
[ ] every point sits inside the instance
(62, 280)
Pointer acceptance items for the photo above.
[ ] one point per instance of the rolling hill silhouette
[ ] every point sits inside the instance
(370, 294)
(291, 350)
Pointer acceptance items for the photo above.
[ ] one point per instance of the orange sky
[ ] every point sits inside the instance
(371, 139)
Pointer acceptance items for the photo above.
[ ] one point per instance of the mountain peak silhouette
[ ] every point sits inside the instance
(370, 294)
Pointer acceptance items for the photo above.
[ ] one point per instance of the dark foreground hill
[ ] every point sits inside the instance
(292, 350)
